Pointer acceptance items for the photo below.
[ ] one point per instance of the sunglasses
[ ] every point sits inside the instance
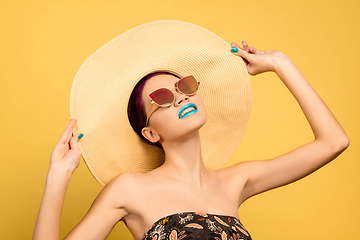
(164, 97)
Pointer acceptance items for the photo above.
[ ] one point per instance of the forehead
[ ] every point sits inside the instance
(159, 81)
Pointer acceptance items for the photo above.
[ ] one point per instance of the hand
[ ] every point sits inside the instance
(257, 61)
(66, 154)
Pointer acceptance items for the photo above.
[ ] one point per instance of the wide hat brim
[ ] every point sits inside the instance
(102, 86)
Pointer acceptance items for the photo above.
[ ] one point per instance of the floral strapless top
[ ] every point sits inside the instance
(194, 225)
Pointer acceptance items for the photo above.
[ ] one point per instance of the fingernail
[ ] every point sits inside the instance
(234, 49)
(80, 136)
(231, 43)
(242, 42)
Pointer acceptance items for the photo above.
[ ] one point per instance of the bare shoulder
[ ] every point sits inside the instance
(125, 190)
(125, 179)
(127, 183)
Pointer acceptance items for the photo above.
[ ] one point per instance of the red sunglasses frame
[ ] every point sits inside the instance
(168, 104)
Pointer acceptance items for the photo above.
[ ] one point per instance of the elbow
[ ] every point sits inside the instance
(337, 146)
(346, 143)
(341, 145)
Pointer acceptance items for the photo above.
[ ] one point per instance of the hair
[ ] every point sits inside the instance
(136, 111)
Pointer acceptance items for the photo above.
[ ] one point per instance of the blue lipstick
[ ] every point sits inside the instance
(192, 110)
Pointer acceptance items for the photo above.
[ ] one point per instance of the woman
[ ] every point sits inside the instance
(182, 197)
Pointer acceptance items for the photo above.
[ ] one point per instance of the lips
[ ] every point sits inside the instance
(187, 110)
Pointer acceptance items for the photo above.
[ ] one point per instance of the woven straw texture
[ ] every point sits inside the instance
(103, 84)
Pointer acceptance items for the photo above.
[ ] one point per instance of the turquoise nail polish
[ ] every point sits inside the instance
(231, 43)
(242, 42)
(80, 136)
(234, 49)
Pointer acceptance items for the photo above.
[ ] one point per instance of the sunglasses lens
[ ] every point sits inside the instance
(188, 85)
(162, 96)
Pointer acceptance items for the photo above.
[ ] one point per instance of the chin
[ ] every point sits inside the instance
(197, 122)
(187, 127)
(202, 122)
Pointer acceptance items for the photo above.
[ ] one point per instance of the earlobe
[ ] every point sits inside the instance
(150, 134)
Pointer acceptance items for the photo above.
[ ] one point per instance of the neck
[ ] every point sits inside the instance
(183, 160)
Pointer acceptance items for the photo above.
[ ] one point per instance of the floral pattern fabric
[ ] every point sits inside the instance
(193, 225)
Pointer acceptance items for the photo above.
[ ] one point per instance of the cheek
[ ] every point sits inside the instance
(164, 119)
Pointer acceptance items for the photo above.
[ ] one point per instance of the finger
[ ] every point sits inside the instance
(254, 50)
(250, 69)
(68, 131)
(74, 142)
(234, 44)
(246, 46)
(242, 53)
(71, 134)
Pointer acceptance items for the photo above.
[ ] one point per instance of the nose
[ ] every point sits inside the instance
(179, 98)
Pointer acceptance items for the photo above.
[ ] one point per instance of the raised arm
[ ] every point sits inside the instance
(330, 138)
(105, 212)
(64, 160)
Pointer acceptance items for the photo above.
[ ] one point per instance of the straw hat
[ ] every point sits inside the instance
(101, 89)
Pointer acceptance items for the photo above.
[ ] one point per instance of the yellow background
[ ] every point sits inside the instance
(43, 43)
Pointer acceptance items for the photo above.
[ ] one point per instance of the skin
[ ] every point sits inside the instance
(179, 129)
(183, 183)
